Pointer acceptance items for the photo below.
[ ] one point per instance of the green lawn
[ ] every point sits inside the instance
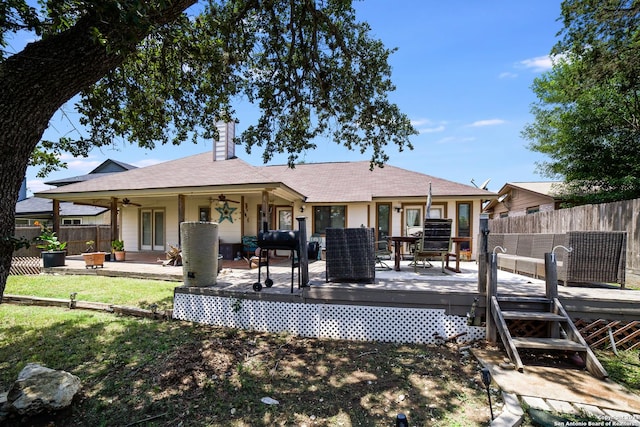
(169, 373)
(179, 373)
(109, 290)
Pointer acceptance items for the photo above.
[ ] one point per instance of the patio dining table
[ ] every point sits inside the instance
(397, 241)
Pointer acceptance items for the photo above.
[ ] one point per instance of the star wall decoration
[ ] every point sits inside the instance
(226, 212)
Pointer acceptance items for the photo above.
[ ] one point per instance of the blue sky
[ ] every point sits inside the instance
(463, 72)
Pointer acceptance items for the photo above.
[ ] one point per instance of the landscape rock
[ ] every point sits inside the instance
(39, 389)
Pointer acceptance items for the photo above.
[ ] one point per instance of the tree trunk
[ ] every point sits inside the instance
(36, 82)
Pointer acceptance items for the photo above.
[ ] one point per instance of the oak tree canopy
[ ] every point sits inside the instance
(154, 72)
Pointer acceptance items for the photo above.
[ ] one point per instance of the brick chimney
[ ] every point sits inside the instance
(224, 148)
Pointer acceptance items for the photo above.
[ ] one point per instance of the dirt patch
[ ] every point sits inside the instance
(222, 379)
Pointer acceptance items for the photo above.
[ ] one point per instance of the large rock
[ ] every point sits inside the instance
(39, 389)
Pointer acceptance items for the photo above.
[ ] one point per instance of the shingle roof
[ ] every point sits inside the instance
(319, 182)
(39, 205)
(109, 166)
(548, 188)
(193, 171)
(354, 182)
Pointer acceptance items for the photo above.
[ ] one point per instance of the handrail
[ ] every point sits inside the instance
(553, 251)
(503, 250)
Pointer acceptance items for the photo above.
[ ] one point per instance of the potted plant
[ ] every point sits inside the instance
(118, 250)
(54, 253)
(91, 258)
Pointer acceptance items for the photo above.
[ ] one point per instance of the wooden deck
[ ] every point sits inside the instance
(429, 288)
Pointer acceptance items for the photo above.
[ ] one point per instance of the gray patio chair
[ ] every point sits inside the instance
(410, 248)
(383, 253)
(434, 242)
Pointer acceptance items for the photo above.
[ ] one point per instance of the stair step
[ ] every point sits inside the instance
(532, 315)
(539, 300)
(547, 344)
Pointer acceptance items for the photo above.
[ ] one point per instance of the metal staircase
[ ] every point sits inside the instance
(554, 329)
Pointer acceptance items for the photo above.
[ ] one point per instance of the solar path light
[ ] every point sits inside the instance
(486, 380)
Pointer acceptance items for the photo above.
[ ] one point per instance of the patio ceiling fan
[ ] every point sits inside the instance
(222, 198)
(126, 202)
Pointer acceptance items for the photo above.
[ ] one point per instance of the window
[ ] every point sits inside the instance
(383, 218)
(533, 210)
(71, 221)
(504, 214)
(329, 217)
(204, 214)
(464, 223)
(285, 218)
(413, 216)
(436, 211)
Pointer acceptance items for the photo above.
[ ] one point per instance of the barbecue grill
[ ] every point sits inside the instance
(283, 240)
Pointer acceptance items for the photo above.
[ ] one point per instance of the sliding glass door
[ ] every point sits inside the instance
(152, 230)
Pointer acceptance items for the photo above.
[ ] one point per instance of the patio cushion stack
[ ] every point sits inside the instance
(350, 255)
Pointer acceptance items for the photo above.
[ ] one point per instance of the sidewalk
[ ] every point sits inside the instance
(562, 391)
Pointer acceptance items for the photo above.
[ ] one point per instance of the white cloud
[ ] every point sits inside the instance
(37, 185)
(453, 139)
(421, 122)
(147, 162)
(83, 165)
(432, 130)
(446, 140)
(507, 75)
(490, 122)
(538, 64)
(428, 126)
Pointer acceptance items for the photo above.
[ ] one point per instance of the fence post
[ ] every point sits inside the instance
(491, 292)
(483, 256)
(551, 275)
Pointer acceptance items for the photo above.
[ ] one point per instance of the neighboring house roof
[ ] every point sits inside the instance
(42, 207)
(109, 166)
(38, 206)
(314, 182)
(548, 189)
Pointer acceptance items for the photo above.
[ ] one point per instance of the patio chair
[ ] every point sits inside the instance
(435, 241)
(259, 259)
(410, 248)
(249, 246)
(383, 253)
(350, 255)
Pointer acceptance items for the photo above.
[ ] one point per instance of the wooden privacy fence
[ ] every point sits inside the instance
(76, 237)
(615, 216)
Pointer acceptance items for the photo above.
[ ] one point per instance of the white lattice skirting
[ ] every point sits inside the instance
(350, 322)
